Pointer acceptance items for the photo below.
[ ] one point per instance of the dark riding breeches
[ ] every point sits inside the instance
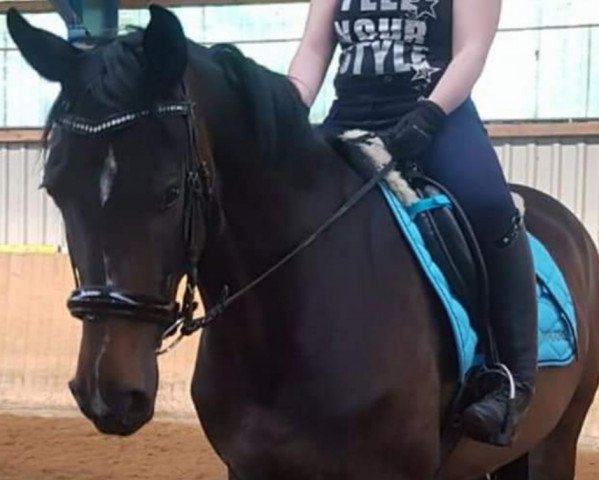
(461, 157)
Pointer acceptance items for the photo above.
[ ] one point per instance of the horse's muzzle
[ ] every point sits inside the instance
(124, 412)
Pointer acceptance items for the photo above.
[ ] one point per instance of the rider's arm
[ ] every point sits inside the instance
(309, 66)
(474, 26)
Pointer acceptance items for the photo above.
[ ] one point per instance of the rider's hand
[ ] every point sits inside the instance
(413, 134)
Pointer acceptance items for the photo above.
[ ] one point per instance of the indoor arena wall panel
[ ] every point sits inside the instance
(567, 170)
(27, 215)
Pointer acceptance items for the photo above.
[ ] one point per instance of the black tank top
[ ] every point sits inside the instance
(393, 47)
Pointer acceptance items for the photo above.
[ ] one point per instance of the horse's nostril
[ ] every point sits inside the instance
(132, 410)
(130, 403)
(139, 403)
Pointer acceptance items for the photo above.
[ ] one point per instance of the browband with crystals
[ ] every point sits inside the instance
(88, 127)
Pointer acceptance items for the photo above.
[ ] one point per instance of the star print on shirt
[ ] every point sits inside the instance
(426, 8)
(424, 71)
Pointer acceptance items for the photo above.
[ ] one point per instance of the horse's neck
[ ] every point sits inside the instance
(266, 210)
(345, 303)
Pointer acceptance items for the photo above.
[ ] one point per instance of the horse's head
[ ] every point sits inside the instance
(120, 165)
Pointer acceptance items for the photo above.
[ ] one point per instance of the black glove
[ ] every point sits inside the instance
(413, 134)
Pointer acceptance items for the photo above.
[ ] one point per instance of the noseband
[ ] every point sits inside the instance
(98, 303)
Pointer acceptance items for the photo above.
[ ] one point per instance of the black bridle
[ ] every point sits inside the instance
(97, 303)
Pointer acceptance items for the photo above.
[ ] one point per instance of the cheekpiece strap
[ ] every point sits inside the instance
(84, 126)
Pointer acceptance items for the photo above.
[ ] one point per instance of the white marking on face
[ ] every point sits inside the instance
(98, 404)
(107, 176)
(108, 277)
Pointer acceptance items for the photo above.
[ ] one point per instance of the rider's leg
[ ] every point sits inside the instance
(463, 159)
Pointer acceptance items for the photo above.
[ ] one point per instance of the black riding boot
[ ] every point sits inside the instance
(513, 312)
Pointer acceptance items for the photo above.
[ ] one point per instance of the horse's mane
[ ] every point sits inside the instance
(276, 112)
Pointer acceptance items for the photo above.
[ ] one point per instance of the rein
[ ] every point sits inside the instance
(187, 328)
(96, 303)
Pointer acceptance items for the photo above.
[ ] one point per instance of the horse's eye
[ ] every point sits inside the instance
(170, 197)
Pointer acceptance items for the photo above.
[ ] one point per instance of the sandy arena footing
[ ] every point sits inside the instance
(34, 448)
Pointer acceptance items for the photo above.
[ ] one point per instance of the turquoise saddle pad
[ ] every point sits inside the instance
(557, 319)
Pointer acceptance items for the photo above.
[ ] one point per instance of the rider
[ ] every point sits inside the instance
(406, 70)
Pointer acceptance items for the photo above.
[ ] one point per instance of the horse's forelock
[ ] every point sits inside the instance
(110, 77)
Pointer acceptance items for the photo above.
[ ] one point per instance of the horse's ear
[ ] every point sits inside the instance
(51, 56)
(165, 46)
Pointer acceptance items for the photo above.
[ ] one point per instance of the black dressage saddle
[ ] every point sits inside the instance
(444, 228)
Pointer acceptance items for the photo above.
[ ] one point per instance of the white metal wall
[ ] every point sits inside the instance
(568, 171)
(27, 215)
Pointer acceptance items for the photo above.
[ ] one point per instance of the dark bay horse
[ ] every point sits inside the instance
(339, 365)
